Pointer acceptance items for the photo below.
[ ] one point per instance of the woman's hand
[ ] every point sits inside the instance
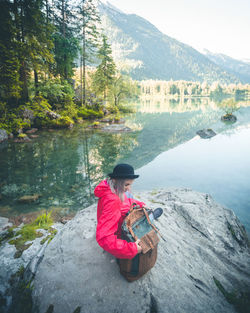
(139, 248)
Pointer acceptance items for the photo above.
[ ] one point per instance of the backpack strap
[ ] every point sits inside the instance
(135, 206)
(132, 233)
(152, 225)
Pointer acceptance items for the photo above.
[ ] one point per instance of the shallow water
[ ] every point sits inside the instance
(63, 166)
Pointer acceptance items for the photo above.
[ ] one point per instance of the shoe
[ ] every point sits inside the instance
(157, 213)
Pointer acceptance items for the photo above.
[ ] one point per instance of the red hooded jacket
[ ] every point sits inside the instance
(111, 212)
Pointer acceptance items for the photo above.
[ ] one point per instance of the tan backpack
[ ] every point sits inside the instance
(137, 225)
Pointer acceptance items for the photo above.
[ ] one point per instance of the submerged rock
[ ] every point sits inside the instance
(205, 246)
(22, 139)
(206, 133)
(29, 198)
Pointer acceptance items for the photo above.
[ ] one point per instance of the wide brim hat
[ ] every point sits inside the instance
(123, 171)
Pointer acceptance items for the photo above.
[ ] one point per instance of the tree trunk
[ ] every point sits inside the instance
(23, 67)
(36, 82)
(84, 61)
(81, 80)
(23, 79)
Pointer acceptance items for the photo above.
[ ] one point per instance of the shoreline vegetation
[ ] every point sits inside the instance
(58, 104)
(57, 70)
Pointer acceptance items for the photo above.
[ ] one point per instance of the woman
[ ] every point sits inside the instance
(112, 208)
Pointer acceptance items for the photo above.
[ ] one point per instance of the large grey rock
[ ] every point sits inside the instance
(9, 265)
(206, 133)
(3, 135)
(4, 224)
(203, 241)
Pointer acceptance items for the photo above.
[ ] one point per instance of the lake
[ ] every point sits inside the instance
(63, 166)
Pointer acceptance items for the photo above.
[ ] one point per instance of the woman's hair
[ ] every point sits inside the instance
(117, 186)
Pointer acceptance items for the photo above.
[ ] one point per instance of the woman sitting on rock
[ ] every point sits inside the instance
(113, 205)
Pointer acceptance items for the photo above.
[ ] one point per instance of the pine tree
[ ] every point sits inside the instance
(9, 64)
(65, 40)
(89, 19)
(105, 72)
(33, 41)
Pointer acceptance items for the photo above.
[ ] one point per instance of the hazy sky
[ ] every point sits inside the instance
(221, 26)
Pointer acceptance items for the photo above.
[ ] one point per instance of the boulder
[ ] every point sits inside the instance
(230, 118)
(11, 268)
(205, 247)
(4, 225)
(53, 115)
(31, 131)
(206, 133)
(28, 114)
(3, 135)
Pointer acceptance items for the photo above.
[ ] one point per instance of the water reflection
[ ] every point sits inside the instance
(219, 166)
(158, 104)
(61, 167)
(64, 166)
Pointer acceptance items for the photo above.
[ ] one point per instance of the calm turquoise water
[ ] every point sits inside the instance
(63, 166)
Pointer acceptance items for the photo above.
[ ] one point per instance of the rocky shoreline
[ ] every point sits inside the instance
(203, 266)
(105, 125)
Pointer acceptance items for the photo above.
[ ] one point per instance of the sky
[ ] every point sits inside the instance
(220, 26)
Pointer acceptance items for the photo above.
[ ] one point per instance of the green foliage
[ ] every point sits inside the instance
(229, 106)
(62, 122)
(66, 49)
(113, 109)
(29, 232)
(39, 105)
(58, 93)
(44, 220)
(8, 235)
(126, 108)
(174, 90)
(20, 271)
(122, 89)
(13, 121)
(105, 71)
(22, 136)
(10, 86)
(52, 234)
(90, 113)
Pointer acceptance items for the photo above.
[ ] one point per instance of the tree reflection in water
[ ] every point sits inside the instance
(62, 167)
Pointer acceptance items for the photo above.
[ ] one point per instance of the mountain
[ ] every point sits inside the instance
(233, 66)
(150, 54)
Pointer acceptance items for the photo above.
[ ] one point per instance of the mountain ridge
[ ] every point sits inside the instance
(232, 65)
(150, 54)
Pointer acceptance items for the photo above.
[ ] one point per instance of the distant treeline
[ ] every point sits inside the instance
(187, 88)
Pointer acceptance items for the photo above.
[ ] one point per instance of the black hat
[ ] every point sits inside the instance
(123, 171)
